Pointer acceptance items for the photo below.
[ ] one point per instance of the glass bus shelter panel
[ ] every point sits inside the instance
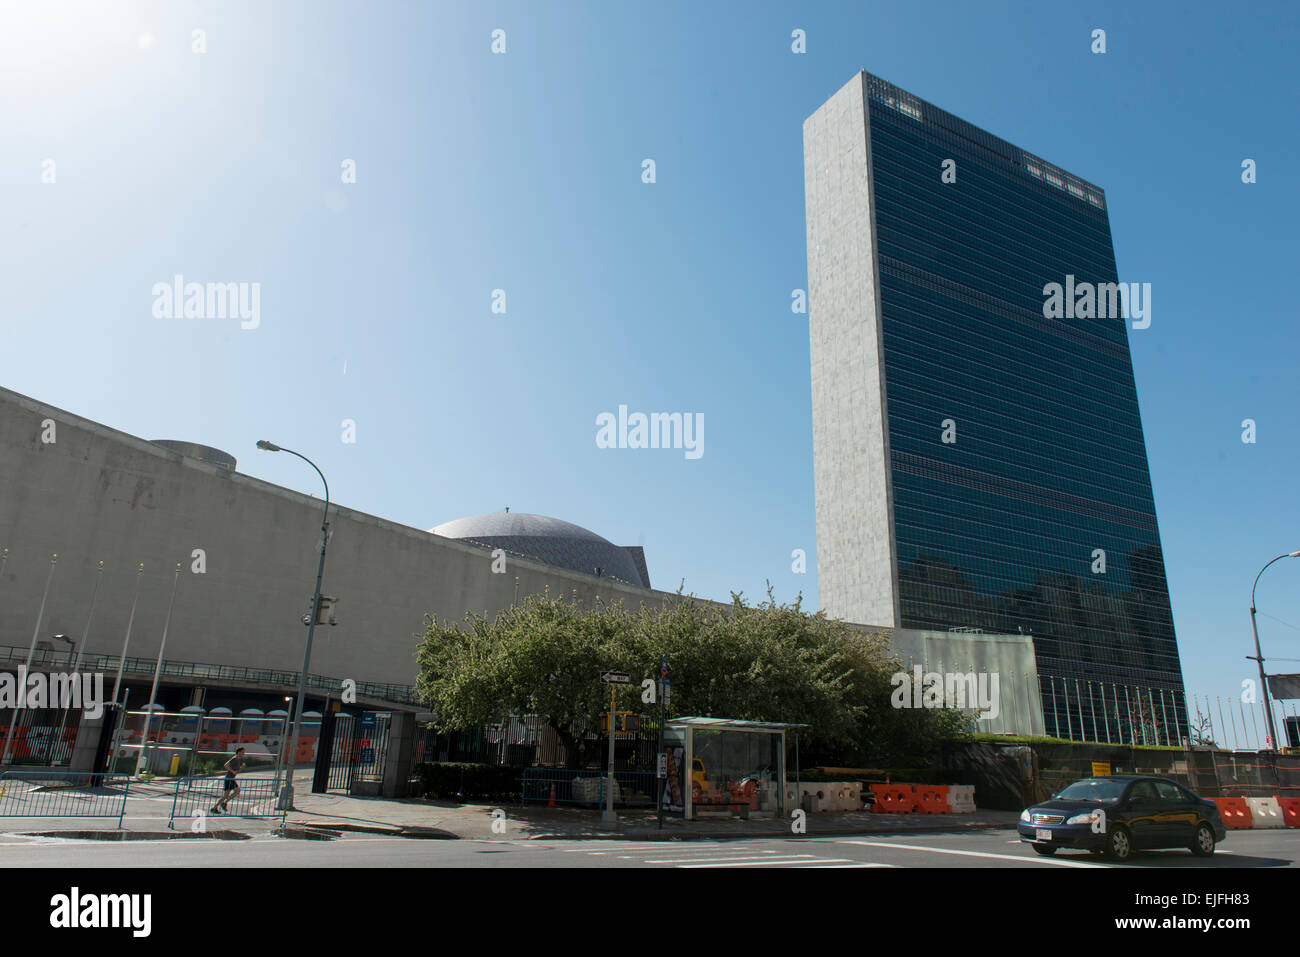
(740, 770)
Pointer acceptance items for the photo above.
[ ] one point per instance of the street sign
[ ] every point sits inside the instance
(663, 667)
(615, 677)
(662, 769)
(1284, 686)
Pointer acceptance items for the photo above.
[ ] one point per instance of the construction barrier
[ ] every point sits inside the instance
(961, 798)
(814, 797)
(932, 799)
(892, 798)
(849, 795)
(1290, 811)
(1265, 812)
(1235, 812)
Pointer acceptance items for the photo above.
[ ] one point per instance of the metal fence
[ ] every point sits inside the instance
(193, 742)
(566, 786)
(108, 664)
(197, 798)
(63, 794)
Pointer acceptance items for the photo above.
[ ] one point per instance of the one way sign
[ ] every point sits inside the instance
(615, 677)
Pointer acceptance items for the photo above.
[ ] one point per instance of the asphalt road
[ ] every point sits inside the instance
(993, 848)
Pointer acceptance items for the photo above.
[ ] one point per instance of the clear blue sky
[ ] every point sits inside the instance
(522, 172)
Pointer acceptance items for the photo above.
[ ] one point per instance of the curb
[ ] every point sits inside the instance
(140, 835)
(414, 832)
(657, 835)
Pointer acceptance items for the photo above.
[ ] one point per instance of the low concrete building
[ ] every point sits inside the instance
(247, 560)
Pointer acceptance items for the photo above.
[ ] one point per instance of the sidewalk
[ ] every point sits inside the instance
(149, 806)
(420, 818)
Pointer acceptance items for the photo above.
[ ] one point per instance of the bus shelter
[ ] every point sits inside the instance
(724, 766)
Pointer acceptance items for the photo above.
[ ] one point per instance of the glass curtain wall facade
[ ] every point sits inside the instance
(1019, 489)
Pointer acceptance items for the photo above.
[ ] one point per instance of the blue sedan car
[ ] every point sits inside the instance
(1120, 813)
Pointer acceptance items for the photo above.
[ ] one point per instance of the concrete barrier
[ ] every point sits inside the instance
(1265, 812)
(961, 798)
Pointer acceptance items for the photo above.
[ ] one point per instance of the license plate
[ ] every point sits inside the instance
(1042, 834)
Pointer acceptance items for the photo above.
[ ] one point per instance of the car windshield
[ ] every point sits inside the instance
(1096, 789)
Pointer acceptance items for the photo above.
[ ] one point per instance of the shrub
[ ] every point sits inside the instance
(469, 782)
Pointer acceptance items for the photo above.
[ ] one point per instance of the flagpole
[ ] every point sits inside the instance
(40, 616)
(148, 708)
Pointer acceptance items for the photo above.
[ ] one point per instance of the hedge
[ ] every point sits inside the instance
(469, 782)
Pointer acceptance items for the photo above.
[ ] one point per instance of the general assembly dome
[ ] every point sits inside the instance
(552, 541)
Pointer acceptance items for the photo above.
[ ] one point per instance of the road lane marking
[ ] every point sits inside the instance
(763, 856)
(832, 866)
(1003, 857)
(773, 862)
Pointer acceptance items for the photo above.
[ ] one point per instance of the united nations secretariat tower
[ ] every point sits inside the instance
(978, 467)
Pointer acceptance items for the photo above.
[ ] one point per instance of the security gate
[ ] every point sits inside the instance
(360, 749)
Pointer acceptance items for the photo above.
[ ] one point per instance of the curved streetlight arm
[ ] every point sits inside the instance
(271, 447)
(1295, 554)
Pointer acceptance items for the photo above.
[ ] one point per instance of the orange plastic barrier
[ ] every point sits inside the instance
(1290, 811)
(932, 799)
(745, 793)
(892, 798)
(1235, 812)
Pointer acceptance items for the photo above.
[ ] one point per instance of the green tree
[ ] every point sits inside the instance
(765, 662)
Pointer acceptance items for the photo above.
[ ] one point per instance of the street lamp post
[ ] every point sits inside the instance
(1259, 655)
(286, 796)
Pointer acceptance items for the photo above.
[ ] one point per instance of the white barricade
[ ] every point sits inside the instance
(961, 798)
(1265, 812)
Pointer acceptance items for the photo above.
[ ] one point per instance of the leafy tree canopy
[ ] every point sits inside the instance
(764, 662)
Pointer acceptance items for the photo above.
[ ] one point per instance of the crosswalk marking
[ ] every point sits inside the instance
(726, 854)
(1057, 862)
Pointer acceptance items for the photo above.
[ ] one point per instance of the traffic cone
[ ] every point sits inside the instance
(551, 802)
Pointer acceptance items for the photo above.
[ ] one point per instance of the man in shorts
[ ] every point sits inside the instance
(230, 785)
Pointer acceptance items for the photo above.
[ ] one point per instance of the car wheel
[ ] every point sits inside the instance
(1045, 849)
(1119, 846)
(1203, 844)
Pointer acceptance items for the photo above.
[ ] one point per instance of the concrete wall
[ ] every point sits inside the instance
(1011, 657)
(97, 494)
(855, 540)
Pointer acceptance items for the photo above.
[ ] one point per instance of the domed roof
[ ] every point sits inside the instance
(552, 541)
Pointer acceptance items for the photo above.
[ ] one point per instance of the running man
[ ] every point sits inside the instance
(230, 785)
